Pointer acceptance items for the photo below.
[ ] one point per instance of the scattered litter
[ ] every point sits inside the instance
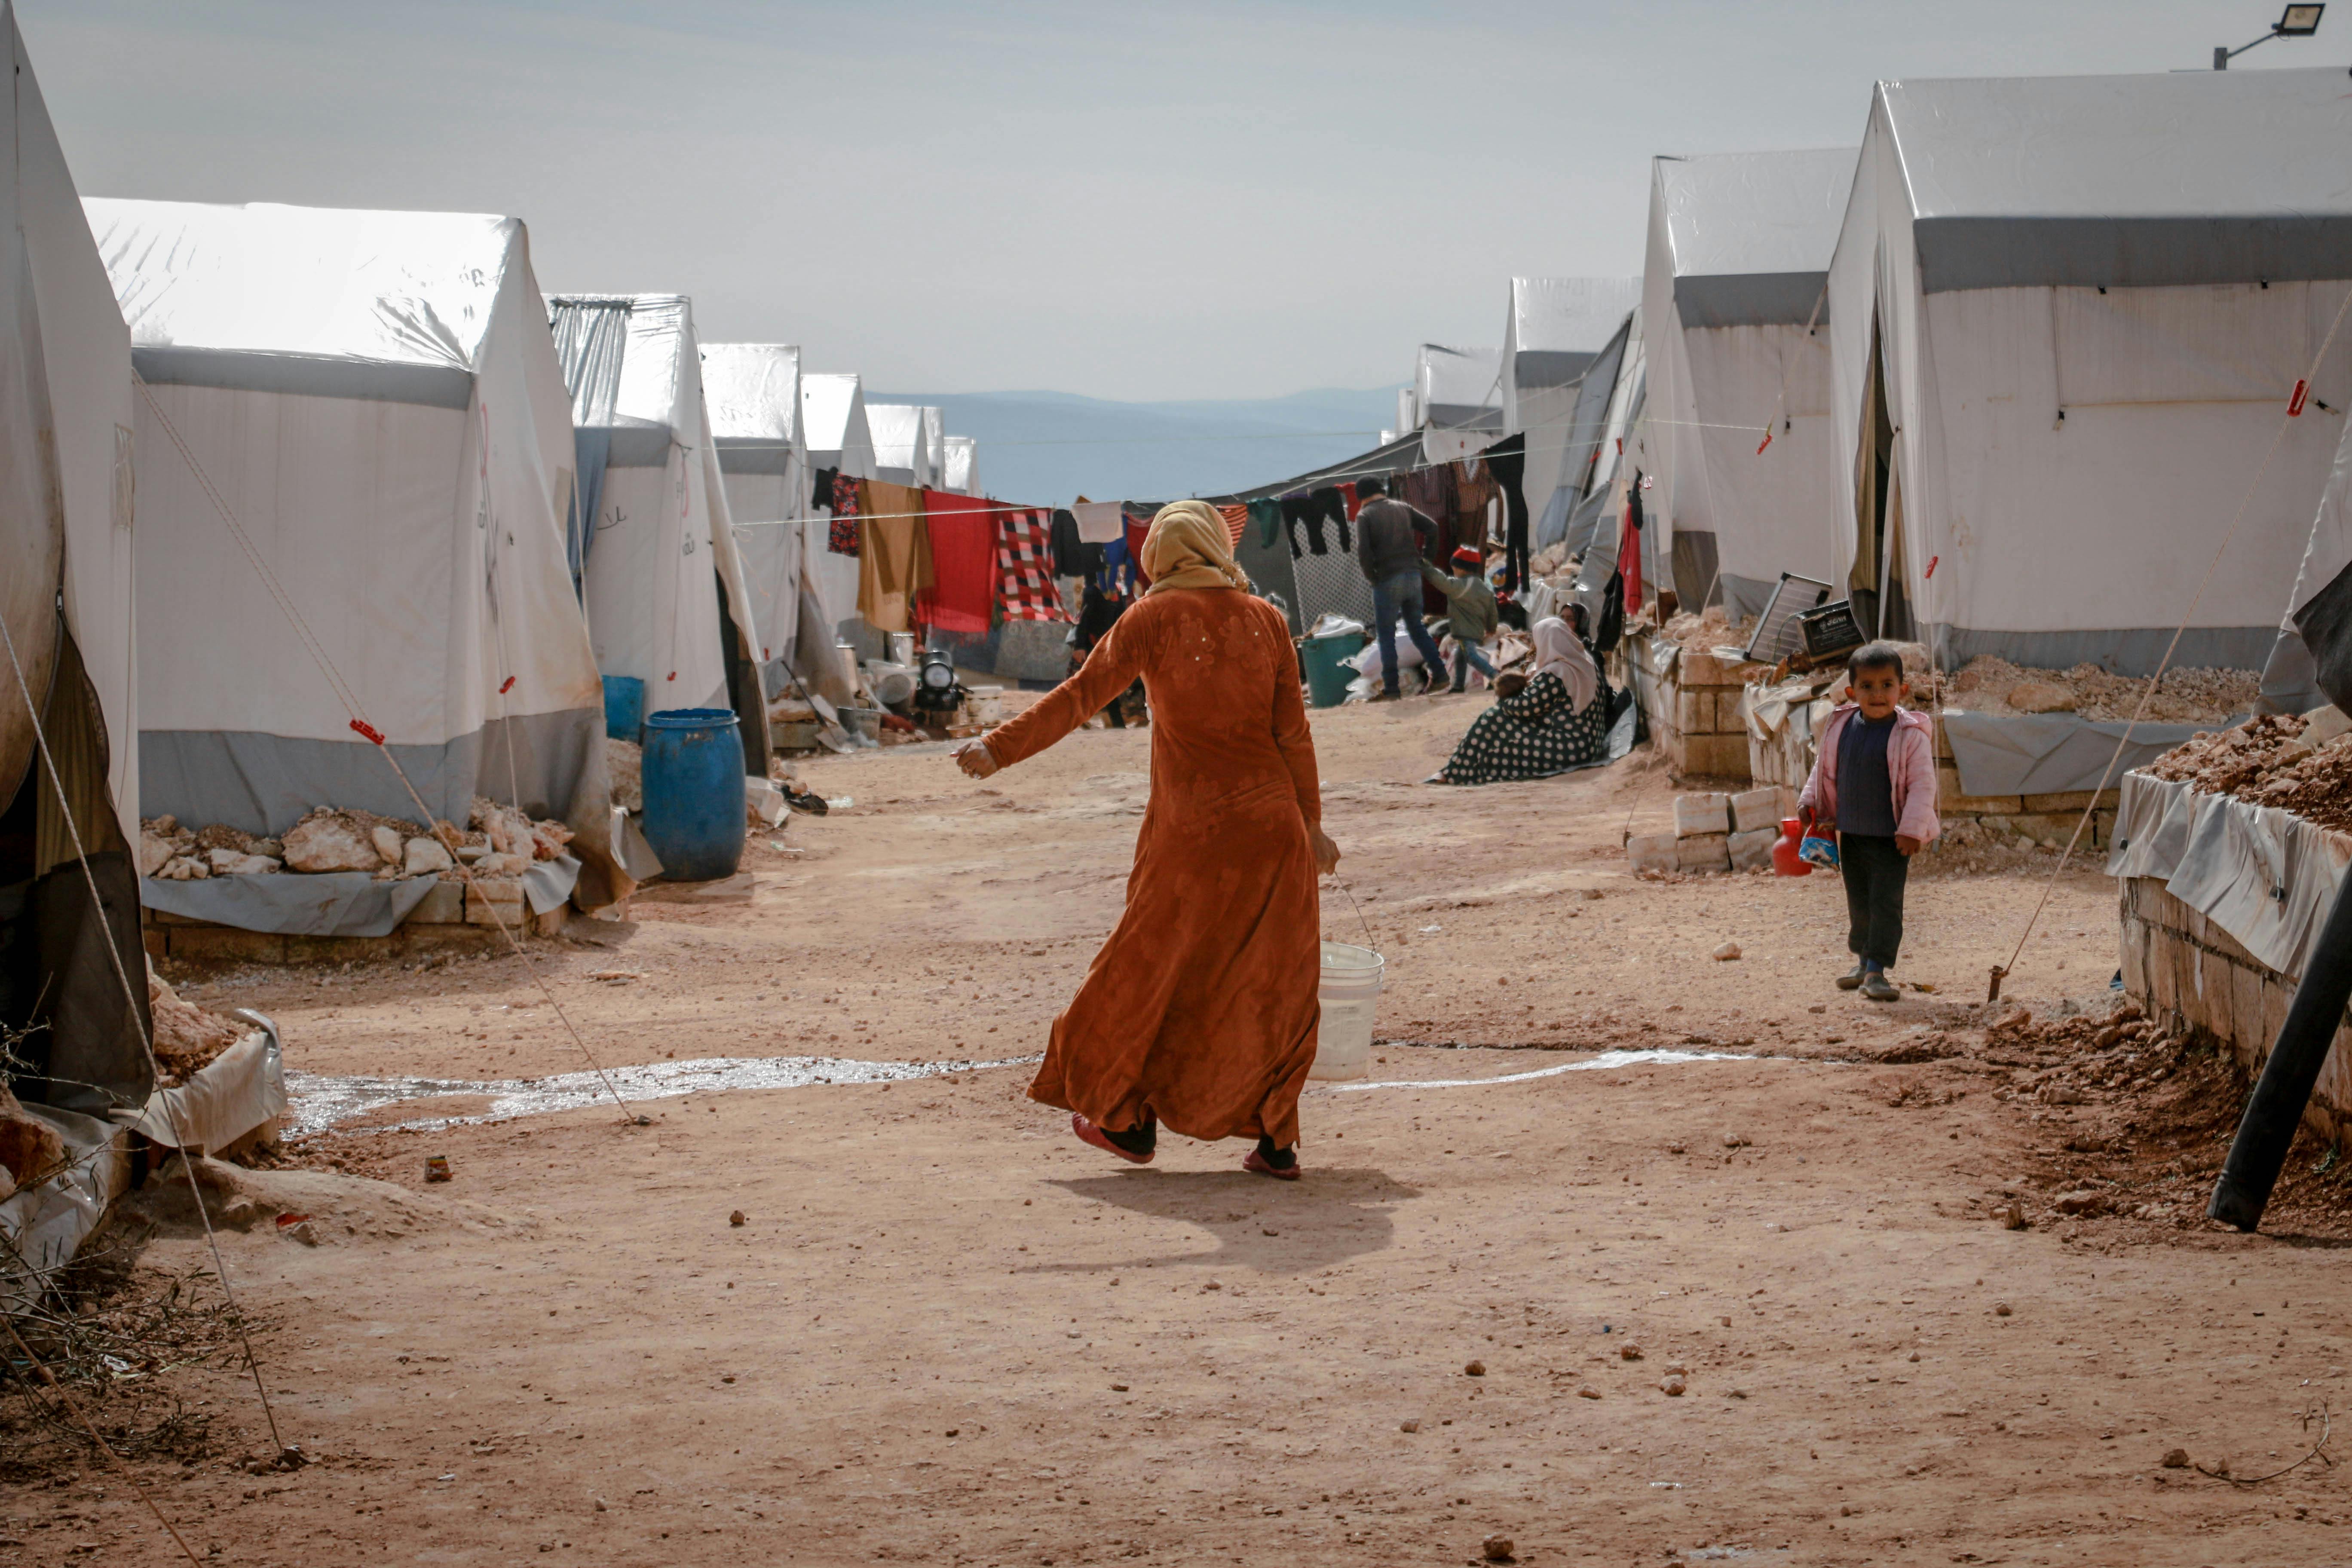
(436, 1167)
(617, 975)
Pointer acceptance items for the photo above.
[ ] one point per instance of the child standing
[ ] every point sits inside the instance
(1470, 609)
(1874, 781)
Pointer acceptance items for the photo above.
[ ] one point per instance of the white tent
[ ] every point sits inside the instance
(910, 444)
(66, 530)
(753, 391)
(374, 399)
(2068, 315)
(833, 411)
(1457, 388)
(1559, 333)
(962, 472)
(2311, 663)
(668, 603)
(1733, 320)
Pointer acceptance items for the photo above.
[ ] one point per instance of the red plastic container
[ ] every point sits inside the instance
(1786, 861)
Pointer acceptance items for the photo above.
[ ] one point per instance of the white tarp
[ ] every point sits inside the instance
(834, 420)
(1458, 388)
(1737, 343)
(662, 529)
(376, 397)
(2311, 662)
(962, 473)
(2091, 299)
(908, 444)
(753, 391)
(1558, 332)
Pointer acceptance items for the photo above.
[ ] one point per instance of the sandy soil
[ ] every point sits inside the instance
(948, 1333)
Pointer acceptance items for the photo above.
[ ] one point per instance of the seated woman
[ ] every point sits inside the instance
(1558, 721)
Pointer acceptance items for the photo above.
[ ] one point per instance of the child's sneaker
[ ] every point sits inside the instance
(1852, 978)
(1878, 988)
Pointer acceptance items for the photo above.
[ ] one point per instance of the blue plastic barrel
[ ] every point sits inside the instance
(694, 793)
(625, 707)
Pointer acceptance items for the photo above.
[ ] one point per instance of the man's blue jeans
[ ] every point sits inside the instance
(1400, 595)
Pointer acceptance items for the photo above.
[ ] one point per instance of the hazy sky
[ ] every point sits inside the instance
(1183, 200)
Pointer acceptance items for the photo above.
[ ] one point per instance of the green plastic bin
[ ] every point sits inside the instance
(1327, 673)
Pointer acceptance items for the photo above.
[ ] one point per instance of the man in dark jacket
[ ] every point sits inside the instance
(1388, 547)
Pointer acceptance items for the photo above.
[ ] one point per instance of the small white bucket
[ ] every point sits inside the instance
(1350, 995)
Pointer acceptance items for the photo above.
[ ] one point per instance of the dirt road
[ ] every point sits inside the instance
(946, 1332)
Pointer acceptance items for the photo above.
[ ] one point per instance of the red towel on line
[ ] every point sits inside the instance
(1353, 502)
(1236, 521)
(963, 562)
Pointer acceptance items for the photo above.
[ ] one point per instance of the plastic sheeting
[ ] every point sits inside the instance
(2265, 875)
(962, 472)
(2051, 754)
(239, 1089)
(834, 424)
(2311, 662)
(1736, 347)
(753, 392)
(1554, 328)
(1459, 389)
(2069, 446)
(906, 448)
(43, 1226)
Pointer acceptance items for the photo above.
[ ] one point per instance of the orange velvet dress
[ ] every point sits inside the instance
(1201, 1009)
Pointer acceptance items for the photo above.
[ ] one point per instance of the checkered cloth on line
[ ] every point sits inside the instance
(1025, 566)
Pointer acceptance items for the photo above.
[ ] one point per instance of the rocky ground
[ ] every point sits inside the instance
(945, 1332)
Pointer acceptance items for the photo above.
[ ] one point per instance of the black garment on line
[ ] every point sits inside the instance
(1875, 871)
(821, 494)
(1297, 509)
(1070, 551)
(1333, 510)
(1508, 459)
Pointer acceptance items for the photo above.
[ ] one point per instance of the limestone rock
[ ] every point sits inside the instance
(2040, 697)
(1697, 814)
(235, 863)
(184, 868)
(325, 841)
(1726, 952)
(423, 857)
(1651, 852)
(1703, 852)
(502, 865)
(1752, 850)
(30, 1149)
(154, 854)
(387, 844)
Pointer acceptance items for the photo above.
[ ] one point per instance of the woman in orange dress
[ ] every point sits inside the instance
(1199, 1012)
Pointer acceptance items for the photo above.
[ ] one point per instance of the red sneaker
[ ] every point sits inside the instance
(1256, 1165)
(1089, 1133)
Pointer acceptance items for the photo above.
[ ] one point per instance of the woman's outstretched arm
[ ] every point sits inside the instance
(1109, 669)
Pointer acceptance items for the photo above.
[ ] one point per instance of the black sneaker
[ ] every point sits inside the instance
(1878, 988)
(1852, 979)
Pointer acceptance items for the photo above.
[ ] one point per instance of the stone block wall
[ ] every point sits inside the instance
(2187, 971)
(1696, 709)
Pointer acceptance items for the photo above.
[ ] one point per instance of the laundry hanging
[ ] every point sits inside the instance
(1100, 521)
(894, 557)
(842, 537)
(1024, 567)
(962, 531)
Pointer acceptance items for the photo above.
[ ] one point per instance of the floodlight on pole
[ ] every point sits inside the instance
(2294, 21)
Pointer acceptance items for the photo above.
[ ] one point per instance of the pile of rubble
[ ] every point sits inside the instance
(1709, 630)
(499, 841)
(1994, 686)
(187, 1037)
(2299, 763)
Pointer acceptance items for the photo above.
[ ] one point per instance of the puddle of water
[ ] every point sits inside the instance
(1601, 1063)
(317, 1101)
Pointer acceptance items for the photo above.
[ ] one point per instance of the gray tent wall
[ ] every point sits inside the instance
(65, 424)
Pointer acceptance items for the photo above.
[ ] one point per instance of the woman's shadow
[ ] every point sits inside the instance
(1270, 1228)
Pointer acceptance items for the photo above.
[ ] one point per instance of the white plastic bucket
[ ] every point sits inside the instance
(1350, 995)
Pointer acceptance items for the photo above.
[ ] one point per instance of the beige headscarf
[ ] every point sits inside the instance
(1188, 548)
(1560, 652)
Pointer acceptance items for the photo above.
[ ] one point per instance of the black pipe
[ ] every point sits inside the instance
(2276, 1108)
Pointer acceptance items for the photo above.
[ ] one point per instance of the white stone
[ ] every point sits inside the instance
(236, 863)
(2322, 725)
(1752, 851)
(320, 844)
(502, 865)
(1695, 815)
(1756, 808)
(1703, 852)
(1726, 952)
(182, 869)
(1651, 852)
(424, 855)
(387, 844)
(154, 854)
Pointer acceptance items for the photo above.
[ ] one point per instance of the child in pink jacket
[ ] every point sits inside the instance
(1874, 782)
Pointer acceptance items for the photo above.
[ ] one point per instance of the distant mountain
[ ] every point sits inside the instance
(1049, 447)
